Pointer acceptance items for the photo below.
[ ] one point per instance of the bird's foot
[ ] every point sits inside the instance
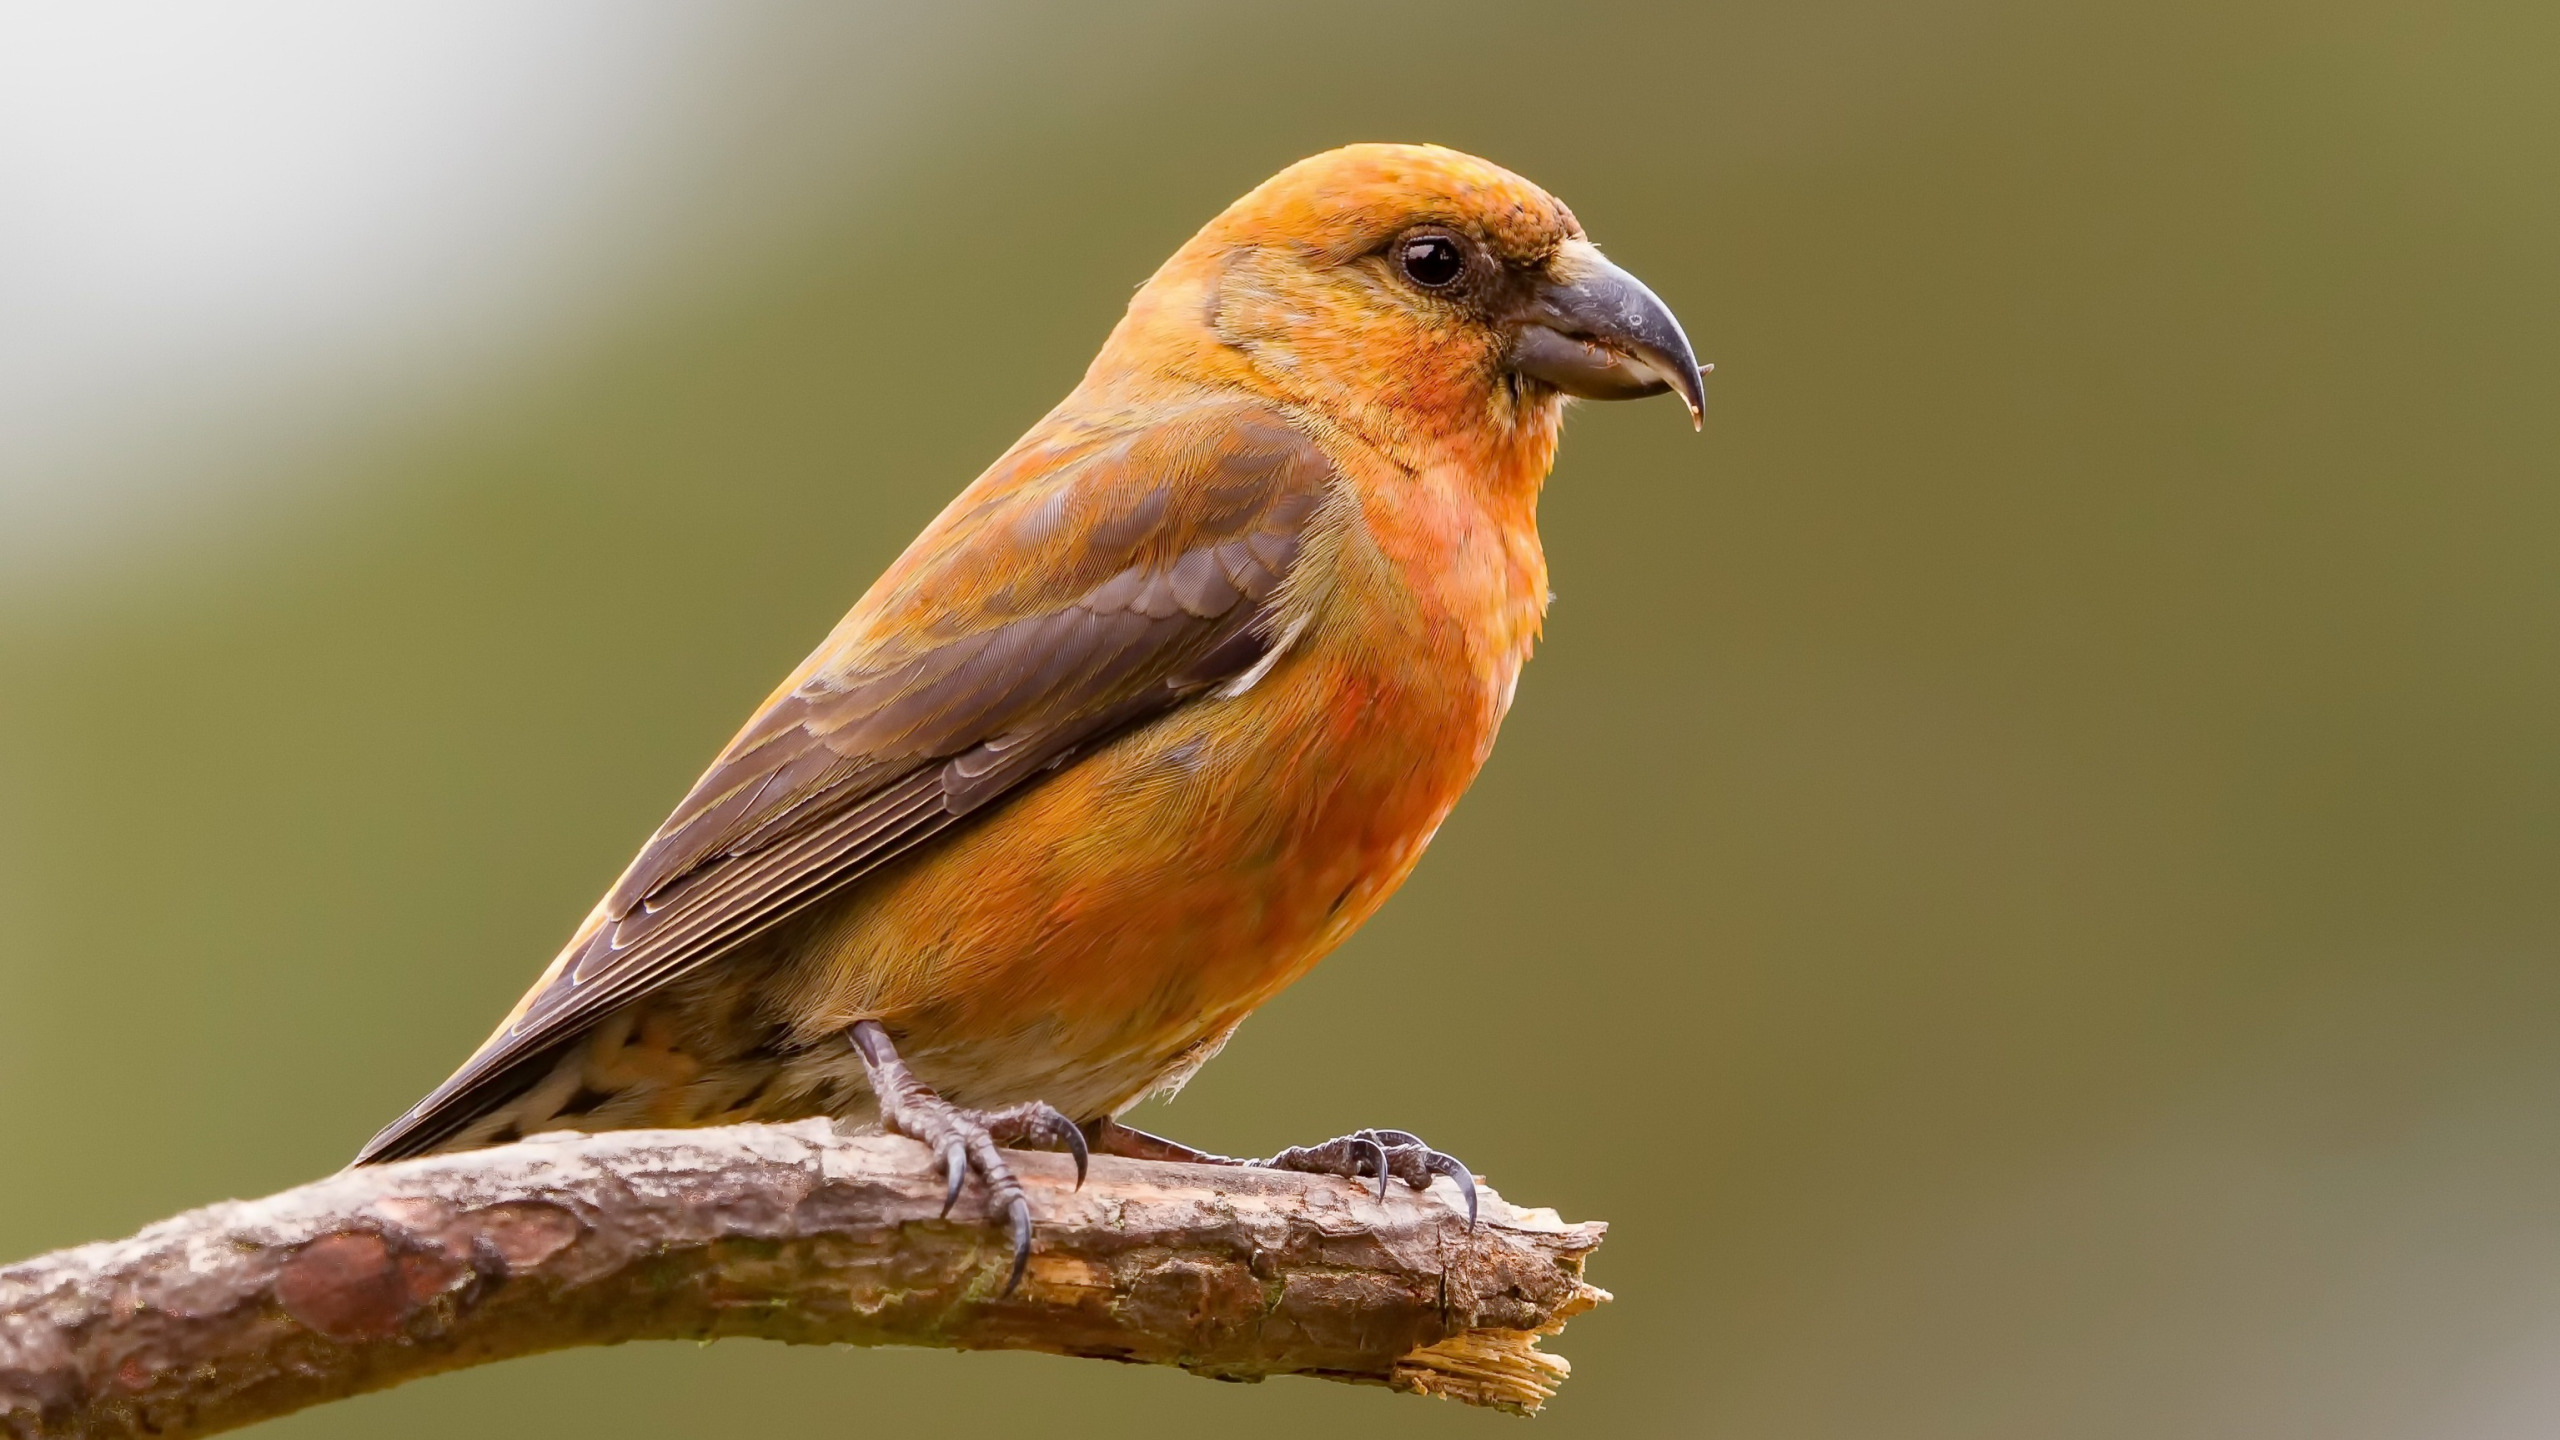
(967, 1140)
(1397, 1154)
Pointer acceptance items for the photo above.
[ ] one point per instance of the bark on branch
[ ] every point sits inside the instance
(246, 1310)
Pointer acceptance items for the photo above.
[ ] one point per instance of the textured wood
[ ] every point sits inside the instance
(246, 1310)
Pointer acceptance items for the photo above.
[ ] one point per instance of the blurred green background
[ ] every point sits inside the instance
(2022, 882)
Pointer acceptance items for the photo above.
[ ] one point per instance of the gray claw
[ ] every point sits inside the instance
(1378, 1155)
(1448, 1165)
(1017, 1212)
(955, 1172)
(1073, 1135)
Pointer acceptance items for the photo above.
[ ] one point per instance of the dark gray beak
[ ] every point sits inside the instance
(1595, 331)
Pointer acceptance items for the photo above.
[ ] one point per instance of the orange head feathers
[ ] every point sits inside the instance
(1411, 293)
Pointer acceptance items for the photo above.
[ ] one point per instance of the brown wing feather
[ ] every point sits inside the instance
(1079, 588)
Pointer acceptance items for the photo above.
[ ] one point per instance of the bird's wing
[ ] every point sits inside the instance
(1097, 577)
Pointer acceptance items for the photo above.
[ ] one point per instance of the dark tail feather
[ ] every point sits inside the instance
(458, 1104)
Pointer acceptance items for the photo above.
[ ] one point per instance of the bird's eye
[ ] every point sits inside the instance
(1433, 262)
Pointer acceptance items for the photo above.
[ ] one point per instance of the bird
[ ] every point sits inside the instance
(1149, 719)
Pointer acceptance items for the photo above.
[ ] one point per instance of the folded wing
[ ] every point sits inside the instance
(1097, 578)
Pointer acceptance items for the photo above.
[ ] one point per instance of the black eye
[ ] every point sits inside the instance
(1433, 262)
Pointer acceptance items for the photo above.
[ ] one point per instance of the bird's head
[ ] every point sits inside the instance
(1412, 293)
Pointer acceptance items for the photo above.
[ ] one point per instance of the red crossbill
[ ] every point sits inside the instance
(1156, 713)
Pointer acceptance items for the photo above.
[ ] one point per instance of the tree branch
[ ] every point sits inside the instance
(246, 1310)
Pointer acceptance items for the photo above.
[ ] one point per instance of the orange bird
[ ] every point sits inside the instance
(1148, 720)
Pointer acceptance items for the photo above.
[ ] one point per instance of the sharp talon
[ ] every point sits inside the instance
(1018, 1213)
(955, 1171)
(1073, 1134)
(1379, 1153)
(1448, 1165)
